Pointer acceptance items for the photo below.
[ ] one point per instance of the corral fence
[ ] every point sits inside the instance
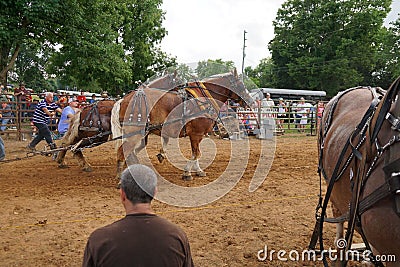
(288, 121)
(19, 124)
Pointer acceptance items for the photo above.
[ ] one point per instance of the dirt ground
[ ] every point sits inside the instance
(47, 213)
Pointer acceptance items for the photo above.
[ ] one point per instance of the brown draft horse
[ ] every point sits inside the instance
(93, 123)
(172, 114)
(360, 160)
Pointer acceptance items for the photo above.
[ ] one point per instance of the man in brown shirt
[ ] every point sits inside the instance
(141, 238)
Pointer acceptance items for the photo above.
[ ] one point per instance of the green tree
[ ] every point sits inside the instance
(96, 44)
(22, 21)
(326, 45)
(212, 67)
(387, 58)
(262, 75)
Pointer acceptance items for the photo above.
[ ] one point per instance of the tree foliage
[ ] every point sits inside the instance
(326, 45)
(95, 44)
(262, 73)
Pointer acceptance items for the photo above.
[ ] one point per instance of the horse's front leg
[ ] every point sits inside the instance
(194, 161)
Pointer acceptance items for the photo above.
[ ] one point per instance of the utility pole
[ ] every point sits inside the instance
(244, 53)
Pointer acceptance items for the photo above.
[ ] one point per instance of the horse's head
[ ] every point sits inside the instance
(166, 81)
(236, 87)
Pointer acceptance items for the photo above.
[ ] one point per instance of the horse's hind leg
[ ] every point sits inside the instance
(127, 148)
(82, 161)
(143, 144)
(60, 159)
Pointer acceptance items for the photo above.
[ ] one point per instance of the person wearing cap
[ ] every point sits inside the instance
(45, 110)
(141, 238)
(66, 115)
(20, 93)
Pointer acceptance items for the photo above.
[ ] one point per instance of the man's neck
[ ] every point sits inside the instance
(139, 208)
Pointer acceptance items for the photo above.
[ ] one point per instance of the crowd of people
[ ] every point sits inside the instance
(299, 112)
(48, 114)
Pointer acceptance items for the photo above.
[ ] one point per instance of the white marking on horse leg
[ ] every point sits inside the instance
(187, 170)
(339, 232)
(197, 169)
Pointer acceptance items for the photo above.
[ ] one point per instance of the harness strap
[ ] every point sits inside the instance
(394, 121)
(392, 185)
(93, 112)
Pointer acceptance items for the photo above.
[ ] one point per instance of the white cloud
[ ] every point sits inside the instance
(211, 29)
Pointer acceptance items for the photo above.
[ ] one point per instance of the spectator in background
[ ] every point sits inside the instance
(141, 238)
(81, 98)
(3, 97)
(282, 112)
(267, 105)
(20, 95)
(5, 115)
(45, 110)
(104, 95)
(93, 99)
(66, 115)
(320, 112)
(303, 109)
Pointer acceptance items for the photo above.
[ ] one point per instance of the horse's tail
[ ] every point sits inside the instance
(116, 128)
(73, 129)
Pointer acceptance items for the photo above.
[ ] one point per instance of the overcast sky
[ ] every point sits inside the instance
(213, 29)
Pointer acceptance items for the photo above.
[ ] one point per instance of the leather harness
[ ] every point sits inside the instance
(365, 158)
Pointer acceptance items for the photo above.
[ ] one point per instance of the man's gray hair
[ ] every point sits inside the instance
(48, 93)
(139, 183)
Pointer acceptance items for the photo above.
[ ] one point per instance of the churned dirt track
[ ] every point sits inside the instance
(47, 213)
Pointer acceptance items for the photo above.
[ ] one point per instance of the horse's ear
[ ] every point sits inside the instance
(235, 72)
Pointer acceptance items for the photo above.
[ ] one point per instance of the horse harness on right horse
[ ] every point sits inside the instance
(365, 133)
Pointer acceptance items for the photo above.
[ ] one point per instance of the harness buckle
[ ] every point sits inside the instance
(397, 174)
(394, 121)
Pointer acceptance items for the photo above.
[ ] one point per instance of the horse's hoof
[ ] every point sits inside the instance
(160, 157)
(87, 169)
(63, 166)
(187, 177)
(201, 174)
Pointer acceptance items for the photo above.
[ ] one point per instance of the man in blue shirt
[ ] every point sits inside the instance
(45, 110)
(5, 115)
(66, 115)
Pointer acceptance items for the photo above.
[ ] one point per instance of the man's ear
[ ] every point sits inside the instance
(122, 195)
(155, 192)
